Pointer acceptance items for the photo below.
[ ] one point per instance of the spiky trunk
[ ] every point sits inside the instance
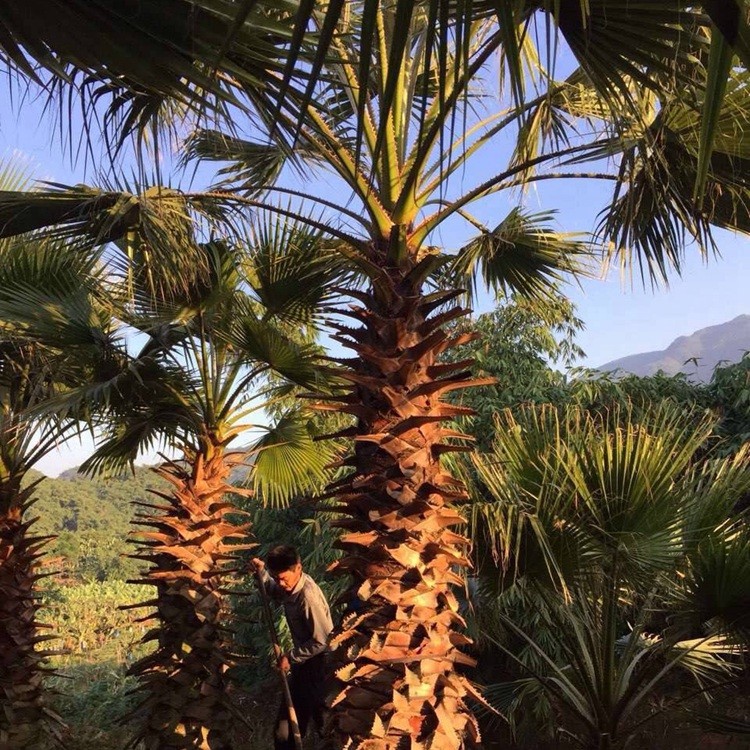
(185, 678)
(401, 651)
(25, 721)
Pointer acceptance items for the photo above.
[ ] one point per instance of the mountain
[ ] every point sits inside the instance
(726, 343)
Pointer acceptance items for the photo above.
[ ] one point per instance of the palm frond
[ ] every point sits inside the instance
(716, 487)
(292, 269)
(202, 56)
(288, 463)
(259, 343)
(209, 57)
(522, 255)
(602, 686)
(254, 166)
(53, 295)
(165, 301)
(615, 43)
(14, 175)
(716, 594)
(117, 454)
(654, 208)
(61, 205)
(732, 23)
(147, 224)
(563, 490)
(719, 68)
(139, 405)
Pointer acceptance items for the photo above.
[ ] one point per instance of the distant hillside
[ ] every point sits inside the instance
(726, 342)
(90, 520)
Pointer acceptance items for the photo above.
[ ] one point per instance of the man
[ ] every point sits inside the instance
(310, 625)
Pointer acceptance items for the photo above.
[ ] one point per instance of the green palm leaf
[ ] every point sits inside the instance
(522, 254)
(22, 212)
(255, 166)
(563, 489)
(717, 593)
(288, 463)
(199, 55)
(615, 42)
(258, 342)
(719, 68)
(210, 53)
(653, 210)
(147, 224)
(14, 176)
(53, 297)
(293, 270)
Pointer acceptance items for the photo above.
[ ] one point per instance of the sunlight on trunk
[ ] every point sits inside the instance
(189, 544)
(401, 650)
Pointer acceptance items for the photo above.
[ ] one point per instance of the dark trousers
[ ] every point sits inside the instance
(307, 686)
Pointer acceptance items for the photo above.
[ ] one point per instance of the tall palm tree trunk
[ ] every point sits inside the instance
(185, 678)
(401, 650)
(25, 722)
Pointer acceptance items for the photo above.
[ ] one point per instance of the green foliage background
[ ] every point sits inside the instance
(90, 518)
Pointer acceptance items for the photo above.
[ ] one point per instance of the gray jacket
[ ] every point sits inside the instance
(307, 613)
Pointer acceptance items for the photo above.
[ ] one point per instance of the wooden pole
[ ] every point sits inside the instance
(279, 653)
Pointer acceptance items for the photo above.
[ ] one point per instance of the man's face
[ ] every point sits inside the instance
(288, 579)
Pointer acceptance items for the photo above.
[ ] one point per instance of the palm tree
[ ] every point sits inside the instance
(396, 144)
(401, 654)
(211, 344)
(212, 58)
(618, 548)
(56, 333)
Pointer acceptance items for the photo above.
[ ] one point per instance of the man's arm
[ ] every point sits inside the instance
(318, 616)
(270, 586)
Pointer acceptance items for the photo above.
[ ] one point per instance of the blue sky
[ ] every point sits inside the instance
(620, 319)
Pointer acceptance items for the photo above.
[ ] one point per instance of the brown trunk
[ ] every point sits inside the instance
(401, 687)
(185, 678)
(25, 722)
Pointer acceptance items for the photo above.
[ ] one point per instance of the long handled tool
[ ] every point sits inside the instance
(279, 653)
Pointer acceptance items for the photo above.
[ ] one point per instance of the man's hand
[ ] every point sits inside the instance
(282, 660)
(257, 564)
(284, 664)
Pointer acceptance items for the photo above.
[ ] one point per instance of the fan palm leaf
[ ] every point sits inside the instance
(287, 462)
(210, 347)
(392, 117)
(608, 522)
(258, 55)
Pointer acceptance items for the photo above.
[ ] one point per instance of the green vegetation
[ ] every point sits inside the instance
(90, 518)
(517, 601)
(610, 546)
(99, 641)
(612, 567)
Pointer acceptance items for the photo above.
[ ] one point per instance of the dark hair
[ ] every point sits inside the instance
(281, 558)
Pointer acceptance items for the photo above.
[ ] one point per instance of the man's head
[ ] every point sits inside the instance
(284, 566)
